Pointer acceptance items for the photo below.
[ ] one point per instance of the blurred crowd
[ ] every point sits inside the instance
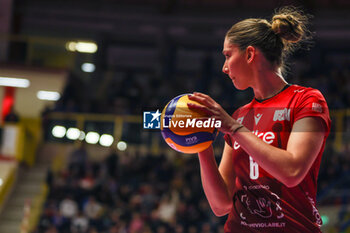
(140, 193)
(128, 194)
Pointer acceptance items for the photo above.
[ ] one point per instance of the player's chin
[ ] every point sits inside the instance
(237, 86)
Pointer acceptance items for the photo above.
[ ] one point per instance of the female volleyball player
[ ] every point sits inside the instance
(267, 176)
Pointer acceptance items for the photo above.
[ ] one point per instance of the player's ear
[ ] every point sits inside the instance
(250, 53)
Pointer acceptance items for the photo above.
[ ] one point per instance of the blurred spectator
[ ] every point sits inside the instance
(112, 162)
(92, 230)
(92, 209)
(167, 207)
(148, 198)
(58, 220)
(68, 207)
(51, 229)
(80, 223)
(136, 224)
(78, 159)
(87, 182)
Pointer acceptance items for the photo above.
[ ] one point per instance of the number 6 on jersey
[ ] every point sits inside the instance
(254, 169)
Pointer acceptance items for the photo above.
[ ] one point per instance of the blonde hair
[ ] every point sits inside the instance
(276, 38)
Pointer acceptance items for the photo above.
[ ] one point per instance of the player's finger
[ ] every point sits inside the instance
(200, 108)
(200, 94)
(199, 99)
(207, 97)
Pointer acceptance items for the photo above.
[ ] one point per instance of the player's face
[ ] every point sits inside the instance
(235, 65)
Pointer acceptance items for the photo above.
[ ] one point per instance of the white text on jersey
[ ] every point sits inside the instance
(267, 137)
(281, 115)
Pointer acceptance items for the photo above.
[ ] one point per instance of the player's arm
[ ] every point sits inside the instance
(291, 165)
(288, 166)
(217, 182)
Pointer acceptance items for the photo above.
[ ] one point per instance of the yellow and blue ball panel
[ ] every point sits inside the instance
(185, 139)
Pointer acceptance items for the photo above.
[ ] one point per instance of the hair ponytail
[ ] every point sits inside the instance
(287, 27)
(277, 38)
(290, 23)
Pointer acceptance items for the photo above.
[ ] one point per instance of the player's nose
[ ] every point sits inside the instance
(225, 68)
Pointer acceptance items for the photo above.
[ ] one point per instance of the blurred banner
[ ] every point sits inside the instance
(11, 144)
(8, 101)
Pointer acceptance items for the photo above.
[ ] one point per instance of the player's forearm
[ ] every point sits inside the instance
(280, 163)
(214, 186)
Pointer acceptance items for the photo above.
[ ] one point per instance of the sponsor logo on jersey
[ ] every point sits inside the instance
(240, 120)
(282, 115)
(257, 118)
(265, 206)
(317, 107)
(299, 90)
(267, 137)
(315, 212)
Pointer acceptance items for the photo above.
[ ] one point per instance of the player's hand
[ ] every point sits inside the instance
(213, 110)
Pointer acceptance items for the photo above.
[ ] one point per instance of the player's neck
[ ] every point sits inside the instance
(268, 85)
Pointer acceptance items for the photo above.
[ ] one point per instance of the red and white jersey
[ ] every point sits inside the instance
(262, 203)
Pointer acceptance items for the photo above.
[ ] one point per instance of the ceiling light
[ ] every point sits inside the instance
(14, 82)
(82, 47)
(73, 133)
(88, 67)
(58, 131)
(92, 137)
(122, 146)
(48, 95)
(106, 140)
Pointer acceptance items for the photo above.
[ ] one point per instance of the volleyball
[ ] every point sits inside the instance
(186, 130)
